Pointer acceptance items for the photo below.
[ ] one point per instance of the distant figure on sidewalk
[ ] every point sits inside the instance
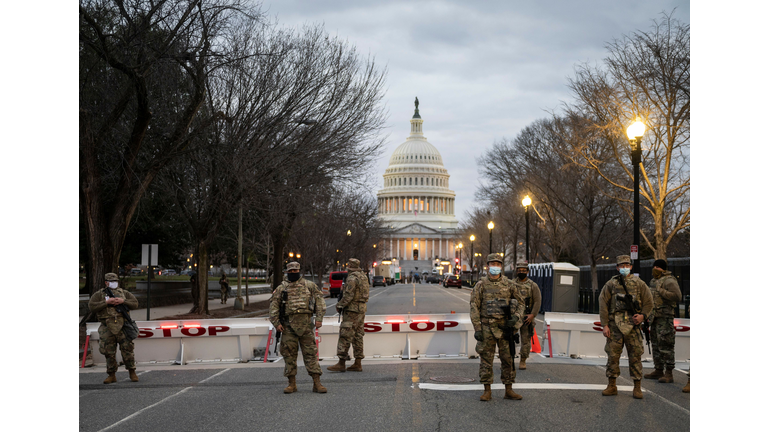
(195, 292)
(224, 288)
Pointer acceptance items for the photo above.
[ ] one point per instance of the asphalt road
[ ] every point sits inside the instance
(413, 299)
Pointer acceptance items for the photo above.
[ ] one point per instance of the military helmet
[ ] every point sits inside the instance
(293, 265)
(353, 264)
(495, 257)
(111, 277)
(521, 264)
(623, 259)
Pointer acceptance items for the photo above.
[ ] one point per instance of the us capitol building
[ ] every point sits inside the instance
(418, 205)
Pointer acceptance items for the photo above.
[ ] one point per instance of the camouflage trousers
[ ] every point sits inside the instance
(493, 336)
(663, 342)
(351, 333)
(615, 345)
(525, 341)
(108, 343)
(292, 338)
(224, 295)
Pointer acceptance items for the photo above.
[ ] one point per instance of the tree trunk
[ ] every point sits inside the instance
(202, 279)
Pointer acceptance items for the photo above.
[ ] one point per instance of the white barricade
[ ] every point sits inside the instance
(245, 339)
(581, 335)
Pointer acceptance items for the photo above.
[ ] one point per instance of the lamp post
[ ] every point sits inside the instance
(461, 246)
(635, 134)
(471, 258)
(490, 235)
(526, 203)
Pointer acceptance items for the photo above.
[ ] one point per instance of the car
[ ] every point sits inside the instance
(379, 280)
(433, 278)
(445, 277)
(136, 272)
(452, 280)
(168, 272)
(336, 280)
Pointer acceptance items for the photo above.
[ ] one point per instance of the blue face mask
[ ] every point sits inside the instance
(625, 271)
(494, 270)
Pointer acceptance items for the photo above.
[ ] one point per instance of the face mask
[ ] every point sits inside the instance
(293, 277)
(112, 284)
(522, 276)
(657, 273)
(494, 270)
(625, 271)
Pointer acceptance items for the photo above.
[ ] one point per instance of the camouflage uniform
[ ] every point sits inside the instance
(666, 293)
(531, 293)
(354, 302)
(303, 299)
(224, 287)
(613, 314)
(489, 298)
(111, 329)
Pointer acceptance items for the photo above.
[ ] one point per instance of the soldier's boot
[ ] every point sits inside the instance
(110, 378)
(521, 366)
(487, 394)
(339, 367)
(132, 375)
(667, 378)
(357, 367)
(611, 390)
(317, 387)
(510, 394)
(656, 374)
(637, 393)
(687, 388)
(291, 385)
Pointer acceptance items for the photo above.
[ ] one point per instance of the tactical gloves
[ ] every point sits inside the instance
(479, 335)
(510, 323)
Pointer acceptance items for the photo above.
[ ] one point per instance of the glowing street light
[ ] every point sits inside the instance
(490, 235)
(526, 204)
(635, 134)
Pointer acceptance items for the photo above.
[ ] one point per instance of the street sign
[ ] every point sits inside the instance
(146, 257)
(633, 252)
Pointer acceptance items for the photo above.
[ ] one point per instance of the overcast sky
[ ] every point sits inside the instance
(482, 70)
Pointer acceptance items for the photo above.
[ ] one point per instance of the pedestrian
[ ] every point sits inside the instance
(496, 311)
(666, 293)
(111, 332)
(531, 293)
(352, 307)
(291, 310)
(224, 287)
(621, 328)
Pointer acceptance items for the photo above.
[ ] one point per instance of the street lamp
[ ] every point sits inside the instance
(460, 246)
(490, 235)
(635, 134)
(471, 257)
(526, 203)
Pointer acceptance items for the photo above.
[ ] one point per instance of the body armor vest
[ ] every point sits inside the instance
(299, 298)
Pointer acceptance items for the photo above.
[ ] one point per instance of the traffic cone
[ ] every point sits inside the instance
(536, 346)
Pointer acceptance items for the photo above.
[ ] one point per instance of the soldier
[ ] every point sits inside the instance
(532, 295)
(224, 287)
(111, 329)
(620, 327)
(352, 306)
(666, 293)
(492, 298)
(298, 299)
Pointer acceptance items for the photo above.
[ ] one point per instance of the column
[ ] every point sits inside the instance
(433, 248)
(390, 248)
(398, 248)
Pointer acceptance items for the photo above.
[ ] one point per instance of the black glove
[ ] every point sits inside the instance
(479, 335)
(339, 308)
(510, 323)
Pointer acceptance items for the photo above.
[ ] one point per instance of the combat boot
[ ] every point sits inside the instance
(637, 393)
(110, 379)
(521, 366)
(611, 390)
(357, 367)
(291, 385)
(339, 367)
(687, 388)
(487, 394)
(510, 394)
(656, 374)
(317, 387)
(132, 375)
(667, 378)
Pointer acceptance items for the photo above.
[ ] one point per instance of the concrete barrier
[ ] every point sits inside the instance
(581, 335)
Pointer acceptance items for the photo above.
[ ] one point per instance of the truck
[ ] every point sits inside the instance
(388, 269)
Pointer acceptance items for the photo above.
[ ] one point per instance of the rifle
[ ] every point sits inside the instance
(528, 311)
(134, 329)
(278, 333)
(634, 307)
(511, 339)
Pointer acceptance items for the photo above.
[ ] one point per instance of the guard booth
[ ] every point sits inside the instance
(559, 285)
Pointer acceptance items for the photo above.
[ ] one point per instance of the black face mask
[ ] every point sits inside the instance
(522, 276)
(293, 277)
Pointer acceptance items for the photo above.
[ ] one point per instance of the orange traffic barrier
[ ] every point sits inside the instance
(536, 346)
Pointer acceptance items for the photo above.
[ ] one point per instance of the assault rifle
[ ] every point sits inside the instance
(133, 330)
(508, 333)
(633, 306)
(528, 311)
(278, 333)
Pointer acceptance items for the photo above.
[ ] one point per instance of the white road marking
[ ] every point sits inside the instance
(462, 299)
(521, 386)
(214, 376)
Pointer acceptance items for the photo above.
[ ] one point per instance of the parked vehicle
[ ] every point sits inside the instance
(379, 280)
(336, 280)
(433, 278)
(452, 280)
(136, 272)
(168, 272)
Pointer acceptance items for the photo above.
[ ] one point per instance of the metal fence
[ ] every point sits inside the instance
(680, 268)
